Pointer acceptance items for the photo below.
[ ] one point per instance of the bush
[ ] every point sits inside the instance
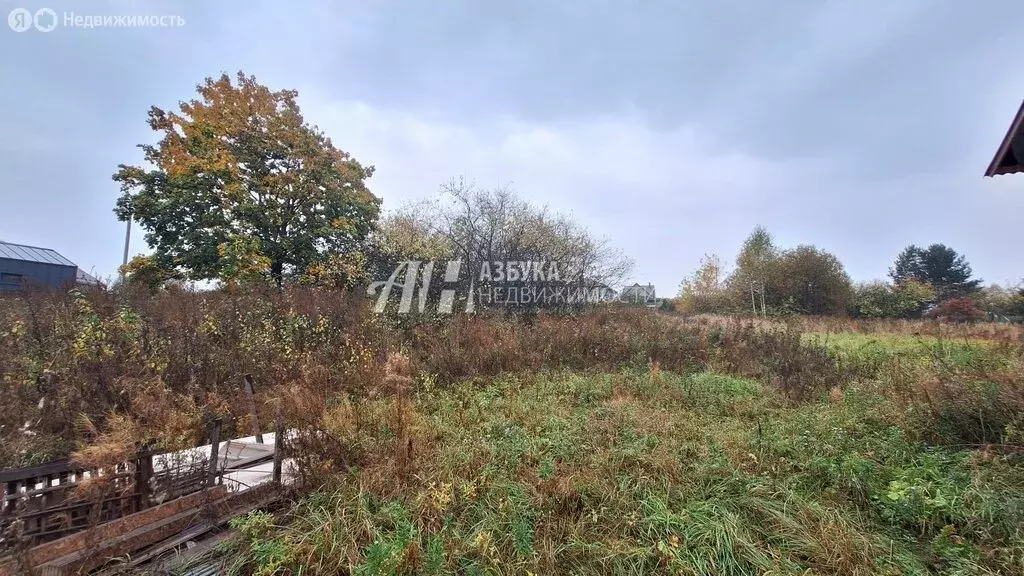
(609, 337)
(970, 403)
(164, 358)
(780, 356)
(957, 310)
(882, 300)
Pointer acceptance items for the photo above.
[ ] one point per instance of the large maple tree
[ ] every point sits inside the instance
(239, 185)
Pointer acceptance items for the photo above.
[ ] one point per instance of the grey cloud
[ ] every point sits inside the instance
(865, 126)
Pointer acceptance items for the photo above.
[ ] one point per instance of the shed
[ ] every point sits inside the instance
(22, 265)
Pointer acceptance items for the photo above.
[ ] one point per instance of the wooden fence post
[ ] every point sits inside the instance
(211, 478)
(278, 444)
(143, 474)
(250, 392)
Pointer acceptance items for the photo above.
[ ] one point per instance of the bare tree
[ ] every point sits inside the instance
(478, 225)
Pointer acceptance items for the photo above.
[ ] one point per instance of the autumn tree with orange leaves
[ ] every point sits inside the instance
(241, 187)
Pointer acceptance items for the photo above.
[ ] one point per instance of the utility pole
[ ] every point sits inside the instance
(127, 239)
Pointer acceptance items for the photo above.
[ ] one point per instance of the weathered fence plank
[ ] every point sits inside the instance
(278, 445)
(211, 478)
(250, 393)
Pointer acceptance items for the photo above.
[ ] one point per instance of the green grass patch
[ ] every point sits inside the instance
(643, 472)
(867, 354)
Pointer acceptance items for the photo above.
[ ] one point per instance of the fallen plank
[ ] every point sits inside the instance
(153, 532)
(122, 546)
(71, 544)
(190, 559)
(240, 506)
(247, 462)
(161, 548)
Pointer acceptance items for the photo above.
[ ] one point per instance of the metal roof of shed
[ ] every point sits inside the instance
(33, 254)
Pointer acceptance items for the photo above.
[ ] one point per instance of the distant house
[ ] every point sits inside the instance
(22, 266)
(600, 292)
(639, 294)
(1009, 157)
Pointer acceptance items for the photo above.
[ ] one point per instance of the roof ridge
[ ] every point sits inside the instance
(1006, 145)
(28, 246)
(27, 253)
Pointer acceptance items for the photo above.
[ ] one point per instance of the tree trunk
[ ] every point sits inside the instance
(277, 272)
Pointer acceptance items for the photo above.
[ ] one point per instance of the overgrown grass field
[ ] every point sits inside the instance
(641, 471)
(615, 441)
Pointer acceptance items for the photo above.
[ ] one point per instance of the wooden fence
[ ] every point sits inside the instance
(47, 502)
(43, 503)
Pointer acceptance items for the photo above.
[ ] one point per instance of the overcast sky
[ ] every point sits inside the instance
(671, 127)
